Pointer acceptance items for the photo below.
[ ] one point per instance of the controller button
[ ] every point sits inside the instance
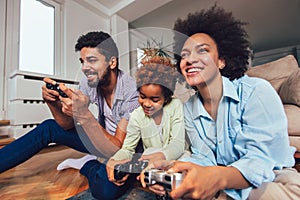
(168, 178)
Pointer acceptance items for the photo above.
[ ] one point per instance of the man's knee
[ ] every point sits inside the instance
(48, 123)
(46, 131)
(100, 186)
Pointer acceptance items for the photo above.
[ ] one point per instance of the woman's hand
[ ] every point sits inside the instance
(110, 166)
(160, 164)
(151, 158)
(199, 182)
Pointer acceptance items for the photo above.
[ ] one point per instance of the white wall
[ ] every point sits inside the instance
(119, 31)
(272, 23)
(76, 20)
(79, 20)
(2, 42)
(77, 25)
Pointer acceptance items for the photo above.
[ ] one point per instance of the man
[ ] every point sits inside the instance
(74, 125)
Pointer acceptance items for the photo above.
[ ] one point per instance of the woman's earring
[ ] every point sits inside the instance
(222, 66)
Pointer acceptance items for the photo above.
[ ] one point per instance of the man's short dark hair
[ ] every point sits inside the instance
(100, 40)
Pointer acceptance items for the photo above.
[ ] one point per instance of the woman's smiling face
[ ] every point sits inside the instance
(200, 62)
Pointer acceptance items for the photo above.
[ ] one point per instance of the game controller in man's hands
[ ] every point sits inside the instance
(168, 180)
(132, 167)
(56, 88)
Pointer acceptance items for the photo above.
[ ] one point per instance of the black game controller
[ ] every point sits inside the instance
(132, 167)
(168, 180)
(56, 88)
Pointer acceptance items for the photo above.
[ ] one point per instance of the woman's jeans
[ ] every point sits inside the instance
(50, 132)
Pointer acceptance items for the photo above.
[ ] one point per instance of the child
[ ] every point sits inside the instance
(158, 121)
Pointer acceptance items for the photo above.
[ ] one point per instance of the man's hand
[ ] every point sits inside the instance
(48, 95)
(76, 104)
(110, 171)
(53, 100)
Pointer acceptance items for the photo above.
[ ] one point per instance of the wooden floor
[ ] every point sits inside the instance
(38, 179)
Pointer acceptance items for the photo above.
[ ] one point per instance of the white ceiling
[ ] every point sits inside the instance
(130, 10)
(272, 23)
(110, 4)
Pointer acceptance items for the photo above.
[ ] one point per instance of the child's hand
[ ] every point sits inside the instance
(110, 171)
(153, 157)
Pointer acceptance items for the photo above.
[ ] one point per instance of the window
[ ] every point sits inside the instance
(140, 54)
(39, 25)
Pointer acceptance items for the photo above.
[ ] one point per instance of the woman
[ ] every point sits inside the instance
(239, 140)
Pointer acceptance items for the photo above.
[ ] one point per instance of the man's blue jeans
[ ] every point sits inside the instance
(50, 132)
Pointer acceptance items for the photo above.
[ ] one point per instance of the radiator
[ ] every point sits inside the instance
(26, 108)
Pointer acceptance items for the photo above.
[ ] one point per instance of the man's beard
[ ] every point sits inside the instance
(104, 81)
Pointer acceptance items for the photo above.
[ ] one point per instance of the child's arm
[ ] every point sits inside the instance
(132, 138)
(127, 150)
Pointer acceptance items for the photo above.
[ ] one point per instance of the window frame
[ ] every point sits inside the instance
(13, 36)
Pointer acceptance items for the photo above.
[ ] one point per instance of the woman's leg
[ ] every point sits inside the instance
(31, 143)
(100, 186)
(286, 185)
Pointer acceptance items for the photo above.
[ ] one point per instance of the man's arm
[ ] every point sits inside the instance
(77, 106)
(103, 141)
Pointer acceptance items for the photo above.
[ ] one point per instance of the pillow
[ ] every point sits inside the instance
(290, 89)
(275, 72)
(292, 114)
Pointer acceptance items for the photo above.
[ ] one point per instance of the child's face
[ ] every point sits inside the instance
(151, 99)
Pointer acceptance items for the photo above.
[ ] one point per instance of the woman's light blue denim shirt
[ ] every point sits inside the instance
(250, 132)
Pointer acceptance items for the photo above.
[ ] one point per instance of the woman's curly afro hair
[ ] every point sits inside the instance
(227, 32)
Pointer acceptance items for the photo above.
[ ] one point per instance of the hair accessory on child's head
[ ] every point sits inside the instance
(154, 53)
(157, 68)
